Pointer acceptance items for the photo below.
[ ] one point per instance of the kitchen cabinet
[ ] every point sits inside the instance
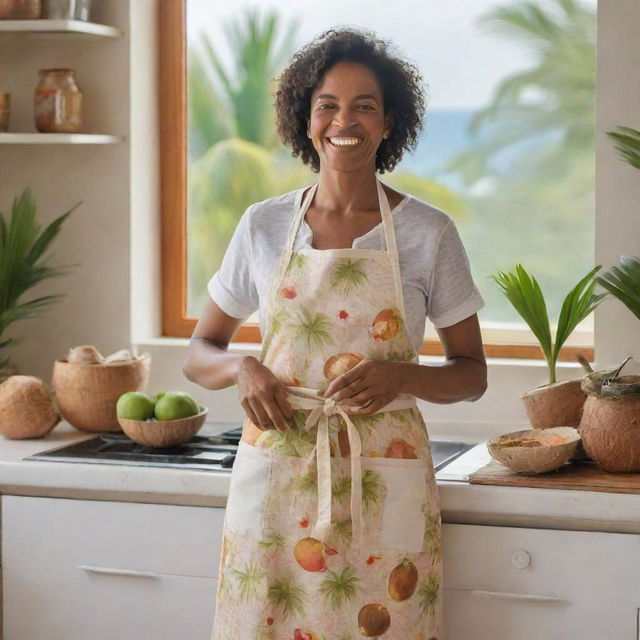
(78, 569)
(512, 583)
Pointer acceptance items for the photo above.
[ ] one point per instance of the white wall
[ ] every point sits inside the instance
(617, 330)
(113, 298)
(97, 306)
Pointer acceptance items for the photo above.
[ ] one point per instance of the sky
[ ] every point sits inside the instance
(461, 63)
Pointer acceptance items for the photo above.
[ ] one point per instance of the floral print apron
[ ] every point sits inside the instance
(332, 529)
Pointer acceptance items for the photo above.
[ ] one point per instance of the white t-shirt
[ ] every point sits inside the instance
(434, 267)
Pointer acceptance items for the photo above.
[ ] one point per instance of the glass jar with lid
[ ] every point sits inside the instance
(58, 102)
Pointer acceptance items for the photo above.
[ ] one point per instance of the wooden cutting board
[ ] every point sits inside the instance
(585, 476)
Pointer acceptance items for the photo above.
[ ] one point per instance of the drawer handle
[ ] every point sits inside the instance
(501, 595)
(119, 572)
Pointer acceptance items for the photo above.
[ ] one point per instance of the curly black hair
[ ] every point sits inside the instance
(400, 80)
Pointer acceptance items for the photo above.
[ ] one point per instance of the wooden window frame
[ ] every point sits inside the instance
(173, 199)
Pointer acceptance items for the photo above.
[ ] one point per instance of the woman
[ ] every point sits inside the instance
(332, 527)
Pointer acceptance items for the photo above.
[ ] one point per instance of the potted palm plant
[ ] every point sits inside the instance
(23, 264)
(555, 403)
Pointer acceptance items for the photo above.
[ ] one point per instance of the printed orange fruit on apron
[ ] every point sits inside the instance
(332, 529)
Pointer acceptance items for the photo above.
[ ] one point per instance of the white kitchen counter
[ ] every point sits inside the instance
(90, 481)
(460, 501)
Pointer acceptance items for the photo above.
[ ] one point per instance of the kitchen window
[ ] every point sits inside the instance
(507, 150)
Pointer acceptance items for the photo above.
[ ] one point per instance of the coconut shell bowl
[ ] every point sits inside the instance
(163, 433)
(534, 451)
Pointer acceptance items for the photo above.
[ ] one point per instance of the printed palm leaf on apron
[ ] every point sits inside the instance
(368, 422)
(341, 489)
(313, 329)
(249, 580)
(297, 264)
(280, 319)
(340, 587)
(273, 540)
(307, 483)
(432, 540)
(428, 593)
(287, 443)
(341, 531)
(372, 488)
(348, 274)
(289, 596)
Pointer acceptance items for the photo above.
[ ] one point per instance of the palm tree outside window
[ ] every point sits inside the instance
(509, 154)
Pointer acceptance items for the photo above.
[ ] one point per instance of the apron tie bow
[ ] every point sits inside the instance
(330, 407)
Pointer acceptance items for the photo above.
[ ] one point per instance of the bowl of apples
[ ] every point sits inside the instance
(166, 419)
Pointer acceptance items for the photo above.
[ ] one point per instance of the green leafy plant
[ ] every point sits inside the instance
(627, 144)
(524, 293)
(23, 264)
(623, 282)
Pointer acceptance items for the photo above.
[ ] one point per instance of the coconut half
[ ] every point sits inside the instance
(555, 405)
(27, 408)
(535, 450)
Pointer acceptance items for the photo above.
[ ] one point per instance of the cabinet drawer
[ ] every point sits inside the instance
(521, 584)
(167, 539)
(559, 562)
(73, 605)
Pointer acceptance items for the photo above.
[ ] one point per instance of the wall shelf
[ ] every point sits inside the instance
(59, 26)
(58, 138)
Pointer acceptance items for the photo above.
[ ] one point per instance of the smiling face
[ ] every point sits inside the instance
(347, 119)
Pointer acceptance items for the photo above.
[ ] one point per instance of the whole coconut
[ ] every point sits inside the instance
(340, 363)
(610, 431)
(27, 408)
(403, 580)
(373, 620)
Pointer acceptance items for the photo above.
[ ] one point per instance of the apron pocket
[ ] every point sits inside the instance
(248, 490)
(395, 498)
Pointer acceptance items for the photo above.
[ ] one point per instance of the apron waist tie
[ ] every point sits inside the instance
(321, 410)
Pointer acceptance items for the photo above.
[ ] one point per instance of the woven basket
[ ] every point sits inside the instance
(86, 394)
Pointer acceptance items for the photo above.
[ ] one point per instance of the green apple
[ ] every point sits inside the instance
(157, 396)
(134, 405)
(174, 405)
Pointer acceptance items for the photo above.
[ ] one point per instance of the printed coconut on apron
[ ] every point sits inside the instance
(332, 529)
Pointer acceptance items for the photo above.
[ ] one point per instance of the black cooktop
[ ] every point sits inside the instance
(214, 453)
(208, 453)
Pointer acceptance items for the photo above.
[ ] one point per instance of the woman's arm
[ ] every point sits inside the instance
(374, 383)
(209, 364)
(463, 376)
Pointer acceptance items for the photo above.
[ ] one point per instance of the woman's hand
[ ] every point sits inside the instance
(262, 396)
(370, 385)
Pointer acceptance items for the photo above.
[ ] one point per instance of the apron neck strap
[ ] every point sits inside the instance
(385, 213)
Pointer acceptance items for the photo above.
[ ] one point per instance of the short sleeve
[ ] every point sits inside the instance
(233, 287)
(453, 295)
